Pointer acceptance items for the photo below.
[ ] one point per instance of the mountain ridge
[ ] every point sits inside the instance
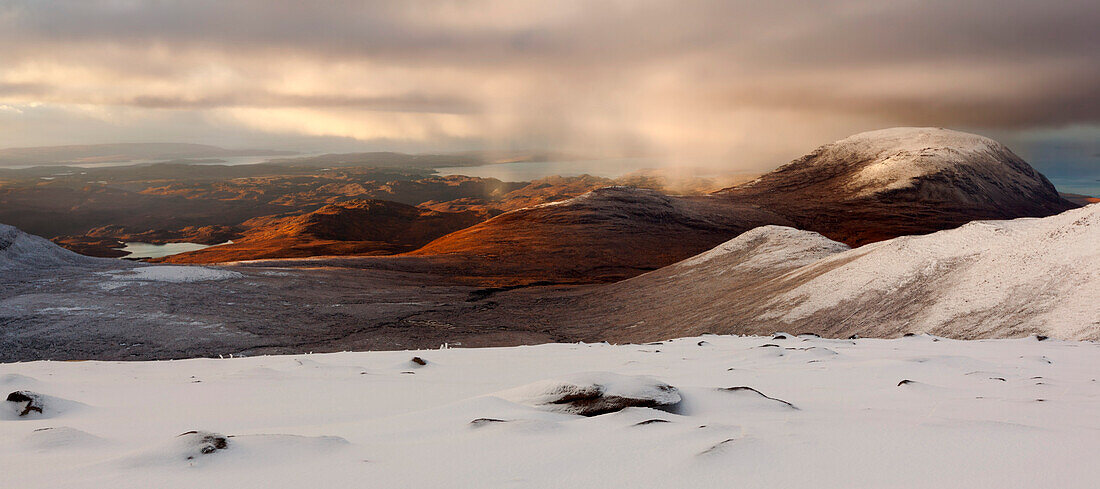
(984, 279)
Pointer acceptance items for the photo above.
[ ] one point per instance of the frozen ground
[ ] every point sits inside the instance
(910, 412)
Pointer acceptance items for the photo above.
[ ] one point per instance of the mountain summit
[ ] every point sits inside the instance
(881, 184)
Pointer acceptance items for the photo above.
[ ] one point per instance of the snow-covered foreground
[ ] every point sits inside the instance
(995, 413)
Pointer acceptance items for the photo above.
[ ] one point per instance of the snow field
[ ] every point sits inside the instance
(754, 412)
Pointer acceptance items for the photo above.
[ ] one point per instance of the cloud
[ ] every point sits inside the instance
(745, 82)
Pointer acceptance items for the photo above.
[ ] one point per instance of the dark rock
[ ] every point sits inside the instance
(717, 446)
(779, 337)
(651, 421)
(595, 404)
(205, 442)
(1041, 337)
(485, 421)
(33, 400)
(905, 382)
(743, 388)
(593, 394)
(419, 361)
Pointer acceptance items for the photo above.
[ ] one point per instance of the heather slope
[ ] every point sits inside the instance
(606, 234)
(865, 188)
(354, 227)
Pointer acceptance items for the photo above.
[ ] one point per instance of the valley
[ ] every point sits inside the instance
(574, 259)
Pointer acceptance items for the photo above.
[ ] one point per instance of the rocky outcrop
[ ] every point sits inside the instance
(595, 393)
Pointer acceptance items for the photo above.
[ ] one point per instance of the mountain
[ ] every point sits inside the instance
(607, 234)
(24, 253)
(121, 152)
(985, 279)
(1080, 199)
(865, 188)
(902, 181)
(363, 227)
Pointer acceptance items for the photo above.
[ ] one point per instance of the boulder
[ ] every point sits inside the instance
(595, 393)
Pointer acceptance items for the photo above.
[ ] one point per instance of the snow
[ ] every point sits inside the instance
(901, 154)
(771, 246)
(891, 158)
(28, 254)
(175, 274)
(1043, 272)
(20, 251)
(814, 413)
(595, 391)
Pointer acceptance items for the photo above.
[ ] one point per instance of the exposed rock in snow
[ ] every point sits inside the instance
(595, 393)
(745, 390)
(61, 438)
(24, 404)
(197, 443)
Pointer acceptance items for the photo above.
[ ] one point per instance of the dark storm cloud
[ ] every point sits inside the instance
(566, 67)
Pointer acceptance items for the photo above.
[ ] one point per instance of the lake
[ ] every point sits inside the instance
(530, 170)
(149, 250)
(215, 160)
(1085, 186)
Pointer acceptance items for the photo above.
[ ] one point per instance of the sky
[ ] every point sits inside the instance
(744, 85)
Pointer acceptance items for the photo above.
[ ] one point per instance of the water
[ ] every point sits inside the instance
(221, 160)
(1083, 186)
(149, 250)
(530, 170)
